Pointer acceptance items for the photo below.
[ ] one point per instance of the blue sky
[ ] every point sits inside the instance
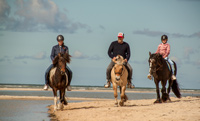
(28, 30)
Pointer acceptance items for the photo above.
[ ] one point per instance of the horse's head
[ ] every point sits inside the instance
(118, 68)
(60, 61)
(154, 61)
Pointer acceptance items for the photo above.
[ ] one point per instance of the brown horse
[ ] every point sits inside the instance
(158, 67)
(119, 75)
(59, 79)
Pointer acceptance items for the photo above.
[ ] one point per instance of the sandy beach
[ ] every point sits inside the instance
(101, 109)
(184, 109)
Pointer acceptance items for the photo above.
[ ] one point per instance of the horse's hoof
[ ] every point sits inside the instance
(121, 103)
(165, 97)
(116, 104)
(158, 101)
(65, 103)
(125, 98)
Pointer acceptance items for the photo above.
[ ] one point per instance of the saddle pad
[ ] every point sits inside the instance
(169, 66)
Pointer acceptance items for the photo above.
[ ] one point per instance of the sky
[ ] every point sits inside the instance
(28, 31)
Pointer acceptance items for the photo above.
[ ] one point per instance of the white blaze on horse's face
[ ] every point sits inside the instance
(151, 61)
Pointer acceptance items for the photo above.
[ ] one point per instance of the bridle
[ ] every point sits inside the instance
(119, 72)
(152, 68)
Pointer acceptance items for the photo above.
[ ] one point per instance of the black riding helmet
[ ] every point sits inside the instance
(163, 37)
(60, 38)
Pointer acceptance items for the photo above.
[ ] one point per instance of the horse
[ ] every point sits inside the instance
(58, 78)
(119, 75)
(158, 67)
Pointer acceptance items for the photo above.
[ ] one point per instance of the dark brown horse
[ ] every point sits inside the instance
(59, 79)
(161, 72)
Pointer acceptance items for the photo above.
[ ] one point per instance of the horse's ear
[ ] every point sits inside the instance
(149, 53)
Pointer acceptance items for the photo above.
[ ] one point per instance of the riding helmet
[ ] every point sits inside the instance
(163, 37)
(60, 38)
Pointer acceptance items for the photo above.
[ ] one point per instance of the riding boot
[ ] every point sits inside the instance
(47, 77)
(130, 85)
(173, 77)
(45, 87)
(149, 76)
(69, 73)
(107, 84)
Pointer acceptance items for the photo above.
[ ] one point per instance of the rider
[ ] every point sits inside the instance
(119, 47)
(60, 48)
(164, 50)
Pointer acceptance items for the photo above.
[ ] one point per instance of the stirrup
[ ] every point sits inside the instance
(130, 85)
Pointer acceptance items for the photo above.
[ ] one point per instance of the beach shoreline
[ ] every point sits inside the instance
(136, 90)
(102, 109)
(186, 108)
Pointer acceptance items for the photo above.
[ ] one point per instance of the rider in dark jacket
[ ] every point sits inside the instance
(60, 48)
(122, 48)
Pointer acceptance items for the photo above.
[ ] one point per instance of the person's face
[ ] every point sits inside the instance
(164, 41)
(120, 39)
(60, 42)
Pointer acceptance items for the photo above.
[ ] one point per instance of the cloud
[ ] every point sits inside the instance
(38, 56)
(147, 32)
(5, 59)
(197, 62)
(176, 60)
(95, 57)
(151, 33)
(102, 27)
(79, 55)
(188, 51)
(36, 15)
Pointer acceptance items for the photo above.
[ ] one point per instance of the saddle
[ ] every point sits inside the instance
(169, 66)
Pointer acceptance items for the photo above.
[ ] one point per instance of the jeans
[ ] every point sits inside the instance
(111, 65)
(171, 63)
(68, 71)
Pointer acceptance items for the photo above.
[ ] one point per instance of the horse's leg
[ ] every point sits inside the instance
(157, 91)
(165, 96)
(169, 87)
(62, 98)
(123, 88)
(115, 94)
(55, 99)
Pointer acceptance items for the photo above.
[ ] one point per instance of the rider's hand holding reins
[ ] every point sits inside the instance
(114, 59)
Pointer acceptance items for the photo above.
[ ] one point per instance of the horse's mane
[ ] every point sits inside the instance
(158, 57)
(66, 56)
(119, 60)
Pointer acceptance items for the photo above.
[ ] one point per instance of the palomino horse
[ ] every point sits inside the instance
(158, 67)
(119, 75)
(59, 79)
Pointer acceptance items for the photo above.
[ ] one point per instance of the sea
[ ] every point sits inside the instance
(37, 110)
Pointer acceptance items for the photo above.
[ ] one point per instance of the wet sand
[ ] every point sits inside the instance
(184, 109)
(101, 109)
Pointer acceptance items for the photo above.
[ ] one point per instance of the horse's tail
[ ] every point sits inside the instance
(176, 89)
(175, 68)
